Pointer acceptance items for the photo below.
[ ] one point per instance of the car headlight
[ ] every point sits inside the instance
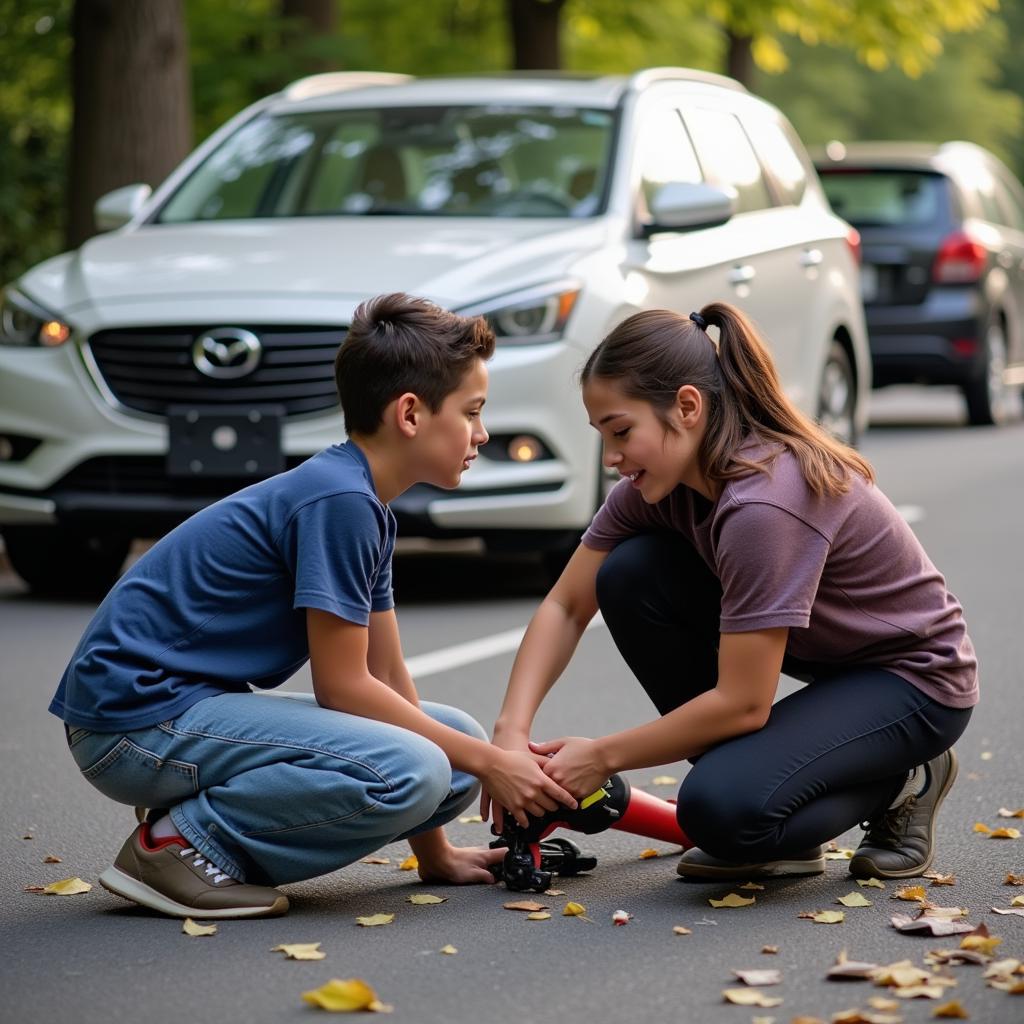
(24, 323)
(533, 317)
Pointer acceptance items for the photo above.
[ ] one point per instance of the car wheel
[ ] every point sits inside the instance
(989, 398)
(57, 561)
(837, 396)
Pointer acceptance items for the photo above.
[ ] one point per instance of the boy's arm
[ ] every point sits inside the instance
(384, 657)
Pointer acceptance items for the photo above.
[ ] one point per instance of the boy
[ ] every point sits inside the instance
(253, 790)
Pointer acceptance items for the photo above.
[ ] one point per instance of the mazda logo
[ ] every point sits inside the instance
(226, 353)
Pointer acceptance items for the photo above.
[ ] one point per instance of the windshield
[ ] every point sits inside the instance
(884, 198)
(472, 161)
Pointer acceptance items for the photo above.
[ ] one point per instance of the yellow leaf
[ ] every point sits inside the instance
(981, 943)
(300, 950)
(648, 854)
(873, 883)
(951, 1009)
(573, 909)
(471, 819)
(854, 900)
(1004, 833)
(538, 915)
(769, 949)
(448, 950)
(838, 853)
(680, 930)
(554, 892)
(375, 860)
(1004, 813)
(411, 863)
(911, 893)
(664, 780)
(375, 919)
(937, 879)
(425, 900)
(50, 859)
(189, 927)
(763, 976)
(752, 885)
(733, 900)
(980, 826)
(827, 917)
(1012, 879)
(67, 887)
(749, 997)
(343, 995)
(531, 905)
(878, 1003)
(1017, 901)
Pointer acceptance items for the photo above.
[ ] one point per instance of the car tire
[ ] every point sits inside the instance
(989, 399)
(56, 561)
(837, 396)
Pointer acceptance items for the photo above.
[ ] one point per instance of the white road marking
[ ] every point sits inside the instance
(911, 513)
(473, 650)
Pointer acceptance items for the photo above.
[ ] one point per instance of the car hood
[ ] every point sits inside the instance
(454, 262)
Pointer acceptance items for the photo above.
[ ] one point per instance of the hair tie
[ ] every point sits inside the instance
(699, 321)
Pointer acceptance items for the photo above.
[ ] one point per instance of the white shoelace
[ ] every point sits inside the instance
(211, 868)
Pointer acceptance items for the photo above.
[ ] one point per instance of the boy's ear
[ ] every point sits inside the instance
(408, 413)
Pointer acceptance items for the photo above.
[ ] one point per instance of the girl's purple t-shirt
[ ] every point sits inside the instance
(846, 574)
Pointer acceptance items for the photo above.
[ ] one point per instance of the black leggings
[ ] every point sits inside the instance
(831, 755)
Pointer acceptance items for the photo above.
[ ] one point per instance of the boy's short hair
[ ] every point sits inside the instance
(399, 343)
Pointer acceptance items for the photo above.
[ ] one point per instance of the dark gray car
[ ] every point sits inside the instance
(942, 232)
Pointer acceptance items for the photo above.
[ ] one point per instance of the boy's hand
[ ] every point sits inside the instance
(461, 865)
(575, 762)
(515, 782)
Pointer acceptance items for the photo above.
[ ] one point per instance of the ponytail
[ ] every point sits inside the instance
(652, 354)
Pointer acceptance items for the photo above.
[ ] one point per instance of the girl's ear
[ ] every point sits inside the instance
(408, 414)
(689, 405)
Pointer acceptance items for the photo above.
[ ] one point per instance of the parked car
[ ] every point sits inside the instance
(189, 351)
(942, 235)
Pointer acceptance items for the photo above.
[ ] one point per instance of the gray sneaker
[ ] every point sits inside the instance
(170, 876)
(698, 864)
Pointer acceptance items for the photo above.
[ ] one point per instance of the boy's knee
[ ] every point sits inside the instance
(455, 718)
(422, 781)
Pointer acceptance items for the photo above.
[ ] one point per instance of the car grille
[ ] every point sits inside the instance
(147, 474)
(151, 368)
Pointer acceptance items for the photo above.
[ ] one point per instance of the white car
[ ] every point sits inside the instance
(190, 351)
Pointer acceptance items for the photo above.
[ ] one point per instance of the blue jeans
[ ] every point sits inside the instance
(275, 788)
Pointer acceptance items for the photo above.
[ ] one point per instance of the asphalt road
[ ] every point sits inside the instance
(93, 958)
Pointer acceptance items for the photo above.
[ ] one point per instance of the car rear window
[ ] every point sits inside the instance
(869, 198)
(469, 161)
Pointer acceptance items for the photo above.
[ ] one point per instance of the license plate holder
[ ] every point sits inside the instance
(208, 441)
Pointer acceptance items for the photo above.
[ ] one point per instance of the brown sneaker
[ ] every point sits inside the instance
(170, 876)
(696, 863)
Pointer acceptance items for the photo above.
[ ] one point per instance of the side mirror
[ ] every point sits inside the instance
(678, 206)
(118, 207)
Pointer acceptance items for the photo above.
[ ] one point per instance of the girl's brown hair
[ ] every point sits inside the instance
(651, 355)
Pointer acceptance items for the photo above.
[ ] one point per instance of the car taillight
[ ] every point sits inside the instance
(853, 243)
(961, 260)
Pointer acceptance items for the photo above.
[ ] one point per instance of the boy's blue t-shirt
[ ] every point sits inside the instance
(218, 605)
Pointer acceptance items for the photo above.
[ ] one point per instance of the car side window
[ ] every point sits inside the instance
(727, 157)
(779, 153)
(666, 153)
(1011, 200)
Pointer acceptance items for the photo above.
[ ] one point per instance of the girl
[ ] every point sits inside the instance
(741, 541)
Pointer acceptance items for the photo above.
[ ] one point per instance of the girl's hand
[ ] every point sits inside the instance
(516, 782)
(461, 865)
(507, 739)
(576, 763)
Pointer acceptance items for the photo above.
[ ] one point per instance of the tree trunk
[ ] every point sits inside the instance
(132, 97)
(741, 59)
(536, 34)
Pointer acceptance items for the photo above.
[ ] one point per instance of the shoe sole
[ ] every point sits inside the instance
(773, 869)
(120, 884)
(864, 867)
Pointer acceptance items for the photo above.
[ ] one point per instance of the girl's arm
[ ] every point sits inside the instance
(748, 678)
(549, 643)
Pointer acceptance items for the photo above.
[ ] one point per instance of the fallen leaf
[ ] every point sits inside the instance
(752, 885)
(986, 755)
(554, 892)
(947, 913)
(902, 974)
(50, 859)
(823, 916)
(733, 900)
(621, 917)
(911, 893)
(932, 925)
(856, 1016)
(981, 943)
(538, 915)
(471, 819)
(448, 950)
(880, 1003)
(759, 977)
(944, 957)
(769, 949)
(1017, 901)
(411, 863)
(980, 826)
(921, 992)
(872, 883)
(425, 900)
(664, 780)
(375, 860)
(1012, 879)
(574, 910)
(67, 887)
(839, 854)
(300, 950)
(345, 996)
(189, 927)
(680, 930)
(951, 1009)
(762, 1020)
(1003, 968)
(1004, 813)
(854, 899)
(1018, 911)
(846, 969)
(525, 905)
(1014, 988)
(649, 854)
(34, 888)
(749, 997)
(938, 879)
(1004, 833)
(806, 1020)
(374, 920)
